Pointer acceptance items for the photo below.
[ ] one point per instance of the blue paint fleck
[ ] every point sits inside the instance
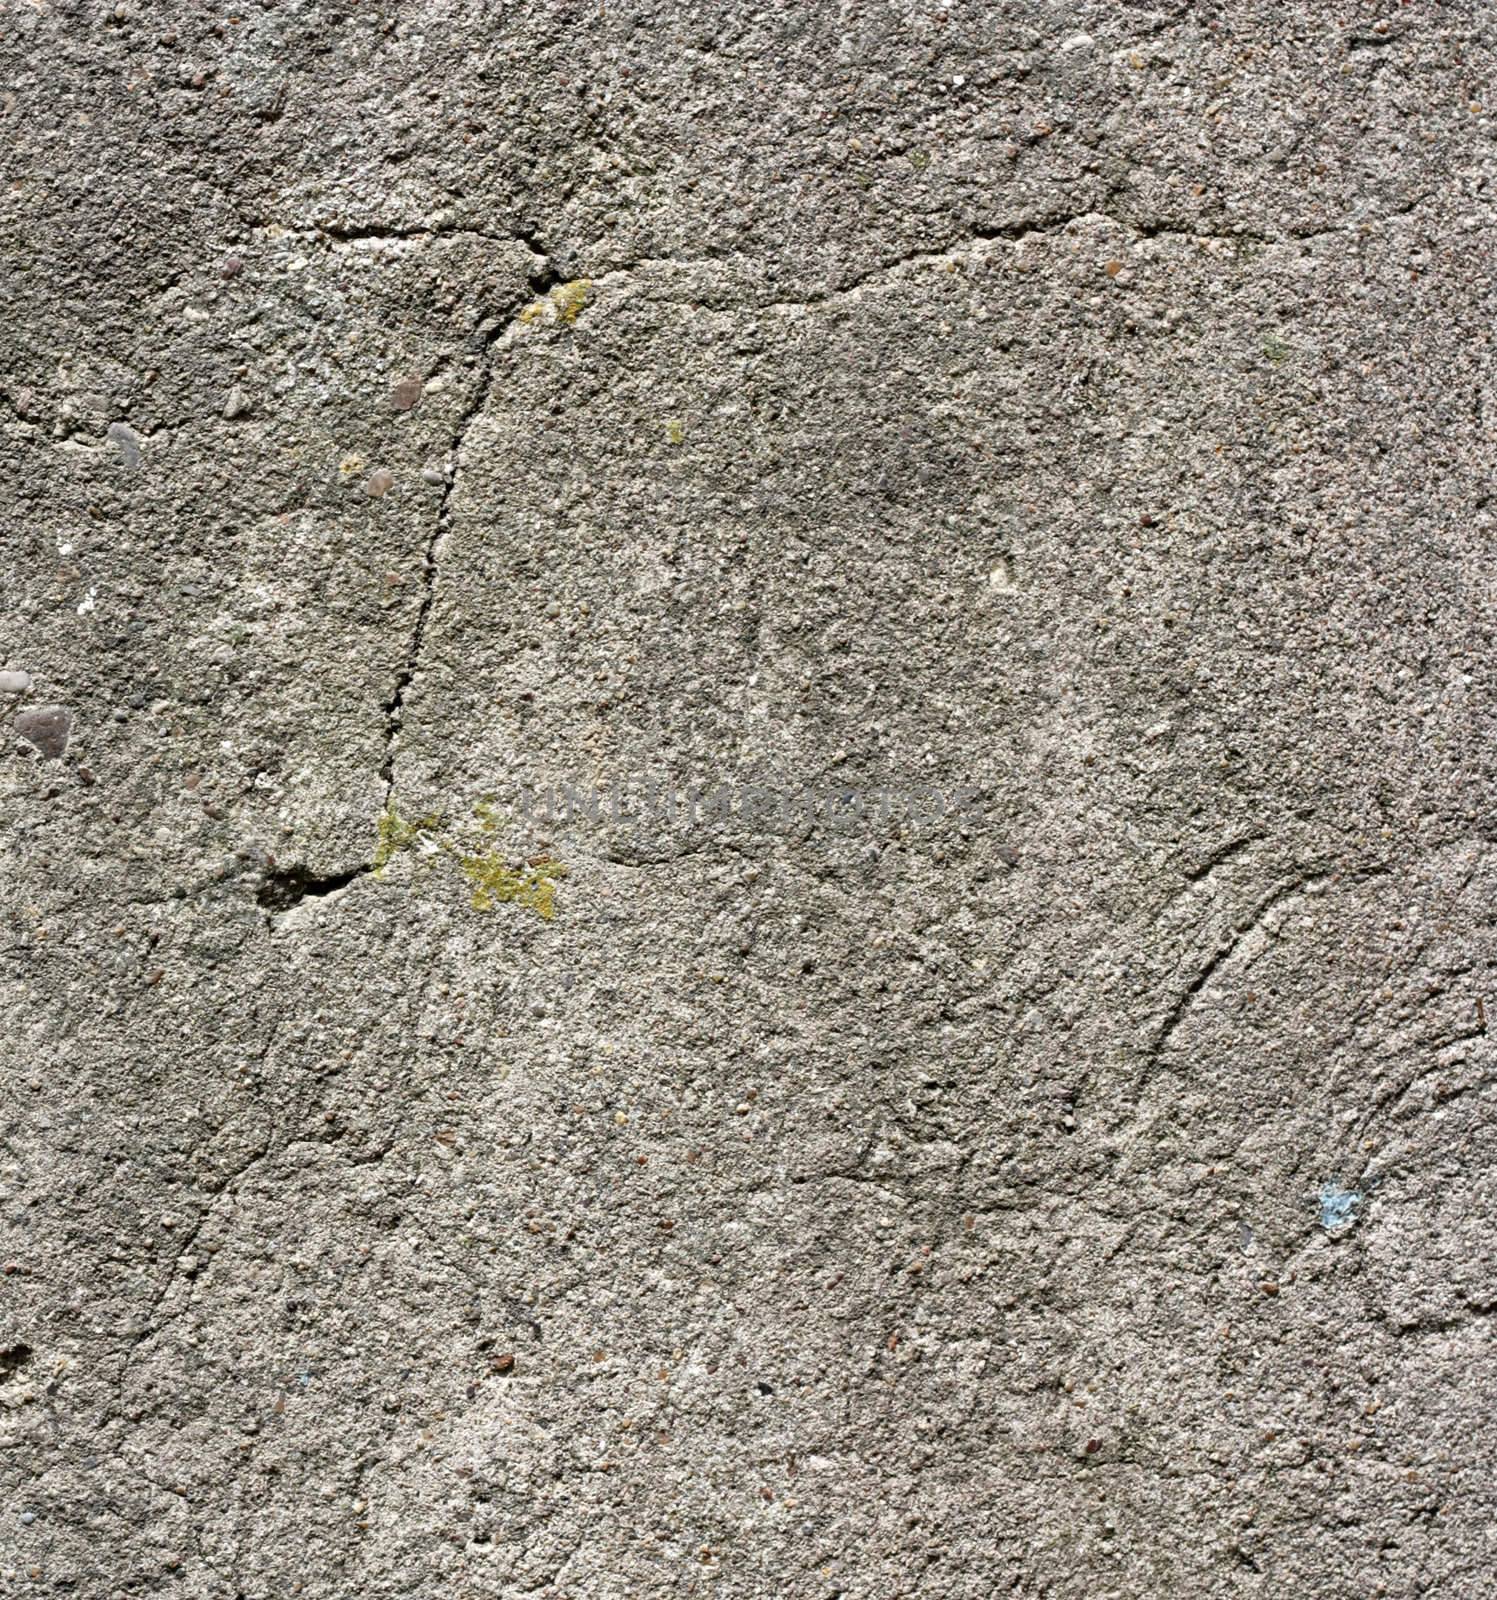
(1339, 1208)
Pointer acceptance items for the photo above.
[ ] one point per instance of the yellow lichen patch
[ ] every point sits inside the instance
(488, 815)
(569, 298)
(675, 432)
(396, 834)
(495, 883)
(563, 304)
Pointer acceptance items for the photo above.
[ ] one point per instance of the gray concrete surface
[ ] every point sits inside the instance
(1083, 405)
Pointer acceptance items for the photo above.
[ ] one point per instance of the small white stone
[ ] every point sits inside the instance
(1077, 41)
(1001, 578)
(14, 682)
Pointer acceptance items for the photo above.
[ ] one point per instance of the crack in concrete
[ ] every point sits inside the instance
(282, 889)
(1177, 1012)
(1044, 225)
(1058, 221)
(153, 1327)
(394, 708)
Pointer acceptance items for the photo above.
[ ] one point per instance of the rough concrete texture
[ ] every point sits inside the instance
(1086, 404)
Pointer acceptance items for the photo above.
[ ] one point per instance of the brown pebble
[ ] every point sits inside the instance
(380, 483)
(1114, 268)
(231, 268)
(1093, 1446)
(1269, 1288)
(503, 1363)
(406, 395)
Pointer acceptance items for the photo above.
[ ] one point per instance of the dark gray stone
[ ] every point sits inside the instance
(46, 727)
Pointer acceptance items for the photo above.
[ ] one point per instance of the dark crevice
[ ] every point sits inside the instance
(342, 234)
(12, 1359)
(284, 887)
(544, 276)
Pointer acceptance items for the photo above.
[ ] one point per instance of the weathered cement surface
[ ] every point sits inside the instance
(1087, 404)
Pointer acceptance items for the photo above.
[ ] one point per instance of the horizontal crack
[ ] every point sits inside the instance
(284, 887)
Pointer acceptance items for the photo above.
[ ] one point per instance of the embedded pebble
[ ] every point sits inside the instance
(231, 268)
(46, 727)
(126, 441)
(406, 394)
(237, 404)
(379, 483)
(14, 682)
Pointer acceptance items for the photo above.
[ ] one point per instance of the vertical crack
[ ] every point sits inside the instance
(539, 279)
(283, 888)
